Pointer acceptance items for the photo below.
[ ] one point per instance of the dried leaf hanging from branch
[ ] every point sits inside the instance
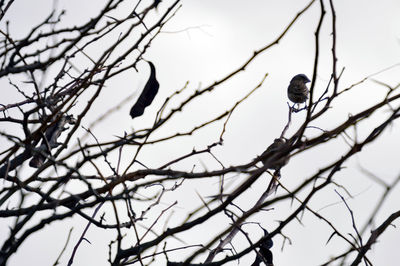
(147, 96)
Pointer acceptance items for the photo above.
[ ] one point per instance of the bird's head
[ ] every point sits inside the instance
(300, 77)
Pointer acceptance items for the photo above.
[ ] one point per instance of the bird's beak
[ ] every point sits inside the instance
(308, 80)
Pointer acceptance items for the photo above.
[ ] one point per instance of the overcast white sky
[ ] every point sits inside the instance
(218, 36)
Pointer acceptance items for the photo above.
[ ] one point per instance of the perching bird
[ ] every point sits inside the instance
(50, 140)
(297, 90)
(280, 162)
(264, 253)
(147, 96)
(267, 157)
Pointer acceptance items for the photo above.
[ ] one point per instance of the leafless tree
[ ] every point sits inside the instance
(43, 153)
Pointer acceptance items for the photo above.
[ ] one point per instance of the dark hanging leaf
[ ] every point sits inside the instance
(156, 3)
(147, 96)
